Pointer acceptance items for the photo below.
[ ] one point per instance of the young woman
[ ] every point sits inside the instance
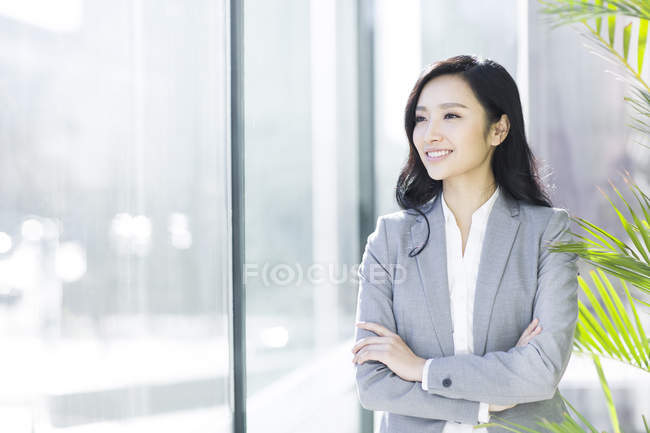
(462, 311)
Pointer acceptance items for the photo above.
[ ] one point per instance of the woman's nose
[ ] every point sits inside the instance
(432, 133)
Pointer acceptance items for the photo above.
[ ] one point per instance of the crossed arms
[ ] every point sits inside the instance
(520, 375)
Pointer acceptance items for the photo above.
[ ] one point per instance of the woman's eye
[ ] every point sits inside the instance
(420, 118)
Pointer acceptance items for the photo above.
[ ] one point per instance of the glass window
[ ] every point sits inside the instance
(114, 244)
(301, 215)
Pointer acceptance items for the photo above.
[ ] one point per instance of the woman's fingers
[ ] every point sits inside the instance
(532, 325)
(499, 407)
(376, 328)
(365, 341)
(529, 333)
(525, 339)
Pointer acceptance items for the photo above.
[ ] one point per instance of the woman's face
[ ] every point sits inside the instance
(449, 117)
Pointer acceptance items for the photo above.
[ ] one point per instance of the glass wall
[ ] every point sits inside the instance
(114, 240)
(301, 214)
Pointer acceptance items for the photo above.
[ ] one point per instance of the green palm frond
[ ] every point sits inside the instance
(604, 327)
(638, 89)
(639, 100)
(613, 416)
(629, 259)
(571, 11)
(606, 49)
(642, 240)
(610, 331)
(640, 196)
(617, 264)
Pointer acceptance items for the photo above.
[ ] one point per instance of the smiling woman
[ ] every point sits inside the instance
(473, 109)
(483, 316)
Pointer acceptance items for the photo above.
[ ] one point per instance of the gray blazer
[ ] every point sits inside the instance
(518, 280)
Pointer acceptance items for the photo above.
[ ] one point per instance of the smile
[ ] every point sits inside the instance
(439, 155)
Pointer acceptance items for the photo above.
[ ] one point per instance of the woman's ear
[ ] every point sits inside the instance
(500, 130)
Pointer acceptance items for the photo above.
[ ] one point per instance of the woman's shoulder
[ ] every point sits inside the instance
(536, 210)
(405, 217)
(394, 227)
(398, 221)
(543, 216)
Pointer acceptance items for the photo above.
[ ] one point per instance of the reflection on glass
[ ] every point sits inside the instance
(301, 215)
(113, 316)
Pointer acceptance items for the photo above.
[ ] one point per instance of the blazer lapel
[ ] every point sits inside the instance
(432, 267)
(502, 226)
(500, 234)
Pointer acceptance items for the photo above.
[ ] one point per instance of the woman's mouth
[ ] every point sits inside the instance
(438, 155)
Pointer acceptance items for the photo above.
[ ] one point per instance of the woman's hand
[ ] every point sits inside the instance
(529, 333)
(389, 349)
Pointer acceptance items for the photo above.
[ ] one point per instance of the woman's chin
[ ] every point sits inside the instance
(436, 174)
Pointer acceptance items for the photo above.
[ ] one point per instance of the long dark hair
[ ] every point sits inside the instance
(513, 164)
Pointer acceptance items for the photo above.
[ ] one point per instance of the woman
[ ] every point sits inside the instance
(462, 310)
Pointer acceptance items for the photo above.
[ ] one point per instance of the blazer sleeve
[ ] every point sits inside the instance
(378, 387)
(531, 372)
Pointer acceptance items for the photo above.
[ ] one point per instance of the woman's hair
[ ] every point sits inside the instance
(513, 163)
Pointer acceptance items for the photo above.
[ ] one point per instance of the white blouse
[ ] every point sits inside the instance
(462, 270)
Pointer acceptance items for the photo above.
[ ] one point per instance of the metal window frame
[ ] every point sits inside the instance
(366, 140)
(235, 31)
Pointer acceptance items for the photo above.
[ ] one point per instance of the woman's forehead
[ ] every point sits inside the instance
(446, 90)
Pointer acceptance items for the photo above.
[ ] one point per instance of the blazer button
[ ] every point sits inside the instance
(446, 382)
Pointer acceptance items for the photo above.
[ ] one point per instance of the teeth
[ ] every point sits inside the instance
(438, 153)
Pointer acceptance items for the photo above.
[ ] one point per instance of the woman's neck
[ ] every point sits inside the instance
(463, 200)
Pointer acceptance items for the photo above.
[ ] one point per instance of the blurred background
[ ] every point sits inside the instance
(116, 283)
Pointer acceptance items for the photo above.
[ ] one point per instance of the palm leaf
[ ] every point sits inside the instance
(616, 323)
(566, 11)
(601, 235)
(611, 24)
(645, 204)
(610, 332)
(645, 344)
(628, 261)
(631, 229)
(613, 416)
(639, 100)
(633, 340)
(641, 302)
(582, 418)
(616, 264)
(643, 36)
(626, 40)
(599, 19)
(569, 11)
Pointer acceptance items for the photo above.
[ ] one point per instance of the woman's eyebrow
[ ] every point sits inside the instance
(443, 106)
